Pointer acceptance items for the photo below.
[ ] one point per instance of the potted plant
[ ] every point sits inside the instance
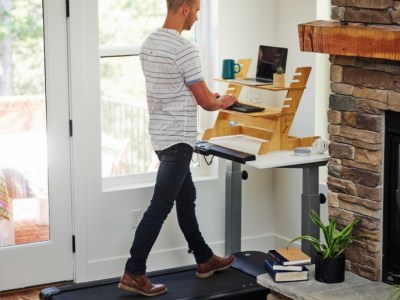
(279, 77)
(330, 259)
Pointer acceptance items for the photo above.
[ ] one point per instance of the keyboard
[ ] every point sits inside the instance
(245, 108)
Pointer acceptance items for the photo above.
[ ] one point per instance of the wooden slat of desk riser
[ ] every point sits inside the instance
(267, 122)
(268, 87)
(294, 103)
(227, 130)
(262, 128)
(256, 133)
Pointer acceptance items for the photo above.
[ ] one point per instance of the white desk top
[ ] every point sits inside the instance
(274, 159)
(278, 159)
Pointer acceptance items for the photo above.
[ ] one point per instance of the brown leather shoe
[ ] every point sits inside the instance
(140, 284)
(214, 264)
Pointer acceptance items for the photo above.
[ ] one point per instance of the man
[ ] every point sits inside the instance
(175, 86)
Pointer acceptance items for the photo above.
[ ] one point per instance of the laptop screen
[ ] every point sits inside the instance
(269, 59)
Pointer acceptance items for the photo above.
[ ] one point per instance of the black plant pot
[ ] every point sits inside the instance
(330, 270)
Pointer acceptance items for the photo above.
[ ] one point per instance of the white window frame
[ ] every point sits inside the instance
(206, 43)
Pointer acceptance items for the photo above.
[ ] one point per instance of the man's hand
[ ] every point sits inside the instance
(210, 101)
(227, 101)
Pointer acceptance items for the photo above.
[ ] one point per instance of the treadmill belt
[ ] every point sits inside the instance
(182, 283)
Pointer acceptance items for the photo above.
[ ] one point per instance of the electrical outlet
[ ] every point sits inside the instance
(136, 216)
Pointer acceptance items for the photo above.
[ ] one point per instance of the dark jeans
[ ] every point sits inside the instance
(174, 183)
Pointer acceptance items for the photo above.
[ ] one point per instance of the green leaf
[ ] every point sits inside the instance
(316, 243)
(395, 294)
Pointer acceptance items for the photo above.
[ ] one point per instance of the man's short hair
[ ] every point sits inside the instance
(174, 5)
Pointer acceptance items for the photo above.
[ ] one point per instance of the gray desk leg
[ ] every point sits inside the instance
(233, 207)
(310, 199)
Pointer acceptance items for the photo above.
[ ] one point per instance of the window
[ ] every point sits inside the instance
(23, 124)
(123, 25)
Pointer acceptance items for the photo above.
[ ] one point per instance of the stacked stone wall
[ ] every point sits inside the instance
(362, 90)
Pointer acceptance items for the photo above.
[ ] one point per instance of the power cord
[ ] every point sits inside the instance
(209, 162)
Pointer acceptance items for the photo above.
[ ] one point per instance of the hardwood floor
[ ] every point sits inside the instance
(28, 293)
(22, 295)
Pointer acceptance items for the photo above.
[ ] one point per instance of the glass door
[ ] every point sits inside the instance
(23, 146)
(35, 197)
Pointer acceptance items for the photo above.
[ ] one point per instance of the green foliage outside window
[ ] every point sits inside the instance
(21, 47)
(128, 22)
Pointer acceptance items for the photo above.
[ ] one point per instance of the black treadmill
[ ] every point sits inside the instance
(239, 282)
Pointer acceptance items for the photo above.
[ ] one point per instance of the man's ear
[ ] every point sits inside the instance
(186, 9)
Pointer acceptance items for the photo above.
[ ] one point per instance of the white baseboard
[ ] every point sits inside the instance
(171, 258)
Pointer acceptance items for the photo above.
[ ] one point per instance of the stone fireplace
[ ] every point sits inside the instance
(363, 41)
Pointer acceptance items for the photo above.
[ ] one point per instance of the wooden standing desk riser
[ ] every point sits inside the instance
(272, 125)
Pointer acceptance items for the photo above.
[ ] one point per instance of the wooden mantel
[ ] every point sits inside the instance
(352, 39)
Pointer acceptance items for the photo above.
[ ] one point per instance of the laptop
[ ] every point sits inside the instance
(269, 59)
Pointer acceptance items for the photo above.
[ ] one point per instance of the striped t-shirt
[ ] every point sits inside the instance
(170, 64)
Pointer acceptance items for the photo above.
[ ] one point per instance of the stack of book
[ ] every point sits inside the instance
(287, 264)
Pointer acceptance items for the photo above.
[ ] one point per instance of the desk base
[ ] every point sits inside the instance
(310, 199)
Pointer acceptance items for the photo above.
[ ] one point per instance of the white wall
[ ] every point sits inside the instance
(242, 27)
(290, 13)
(314, 103)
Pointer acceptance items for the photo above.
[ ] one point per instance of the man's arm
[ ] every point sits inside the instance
(208, 100)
